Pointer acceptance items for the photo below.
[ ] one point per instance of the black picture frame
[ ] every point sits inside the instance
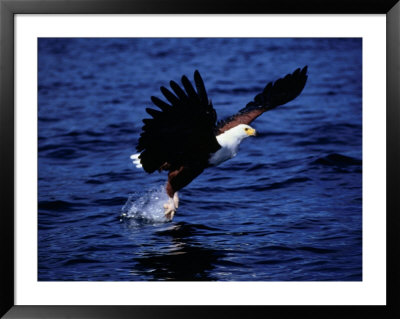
(9, 8)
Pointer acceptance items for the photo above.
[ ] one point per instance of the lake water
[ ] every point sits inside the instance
(287, 208)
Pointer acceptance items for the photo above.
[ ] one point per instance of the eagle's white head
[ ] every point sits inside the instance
(235, 135)
(242, 131)
(230, 141)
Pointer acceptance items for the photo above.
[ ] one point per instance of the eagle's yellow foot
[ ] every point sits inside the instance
(170, 209)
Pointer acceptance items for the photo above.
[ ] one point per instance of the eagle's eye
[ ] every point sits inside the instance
(246, 129)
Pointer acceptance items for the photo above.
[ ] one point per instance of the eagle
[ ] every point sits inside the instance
(183, 136)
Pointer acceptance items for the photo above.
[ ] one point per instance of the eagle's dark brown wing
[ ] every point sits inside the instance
(274, 94)
(181, 134)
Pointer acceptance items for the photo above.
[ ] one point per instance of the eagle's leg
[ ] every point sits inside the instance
(170, 208)
(176, 200)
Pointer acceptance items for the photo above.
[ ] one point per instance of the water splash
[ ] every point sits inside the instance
(147, 207)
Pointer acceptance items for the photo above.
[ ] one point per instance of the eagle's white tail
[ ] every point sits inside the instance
(135, 160)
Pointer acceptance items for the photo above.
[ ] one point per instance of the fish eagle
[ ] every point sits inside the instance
(183, 137)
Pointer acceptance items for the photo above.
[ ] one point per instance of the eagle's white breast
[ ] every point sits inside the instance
(229, 141)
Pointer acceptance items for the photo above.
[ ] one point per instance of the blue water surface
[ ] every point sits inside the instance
(287, 208)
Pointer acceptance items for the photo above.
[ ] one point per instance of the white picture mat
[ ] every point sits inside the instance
(372, 289)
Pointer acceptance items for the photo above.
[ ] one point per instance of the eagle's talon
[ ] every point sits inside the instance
(170, 209)
(170, 215)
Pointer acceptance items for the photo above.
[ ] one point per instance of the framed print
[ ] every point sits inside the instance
(142, 178)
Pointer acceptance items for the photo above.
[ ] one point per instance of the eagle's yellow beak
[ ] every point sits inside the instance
(251, 132)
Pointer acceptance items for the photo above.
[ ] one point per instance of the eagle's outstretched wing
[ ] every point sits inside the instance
(182, 132)
(274, 94)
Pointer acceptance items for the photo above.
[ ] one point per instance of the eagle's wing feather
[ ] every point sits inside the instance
(181, 132)
(274, 94)
(178, 91)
